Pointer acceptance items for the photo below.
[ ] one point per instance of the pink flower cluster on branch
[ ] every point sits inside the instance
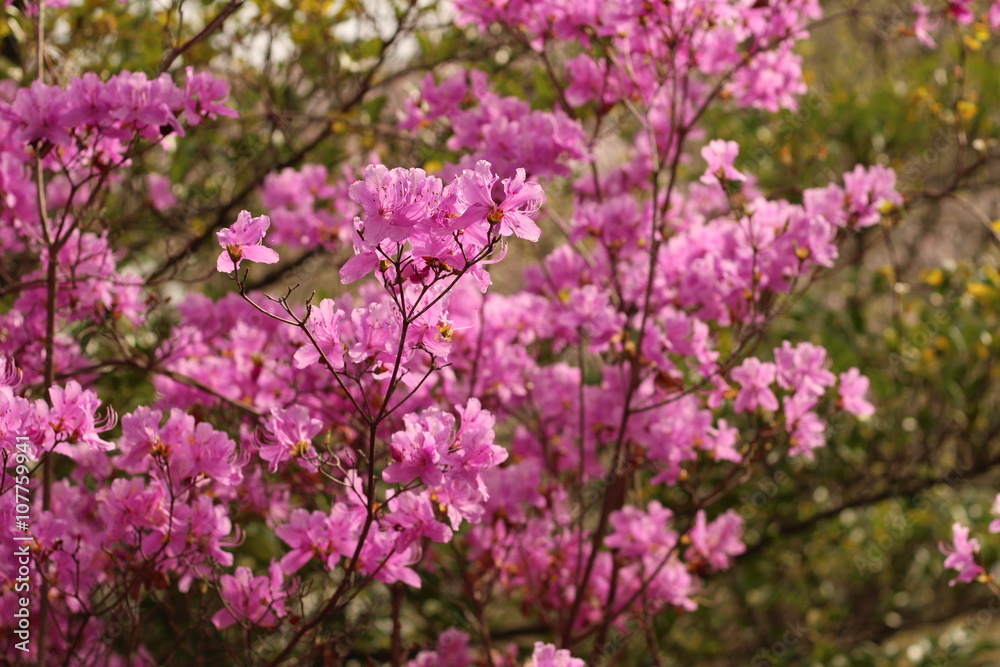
(450, 229)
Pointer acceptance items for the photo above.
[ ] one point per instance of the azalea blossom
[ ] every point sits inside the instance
(243, 240)
(511, 213)
(258, 600)
(961, 555)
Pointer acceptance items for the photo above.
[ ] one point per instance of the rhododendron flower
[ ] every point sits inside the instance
(962, 11)
(809, 433)
(451, 650)
(720, 156)
(636, 533)
(324, 324)
(395, 202)
(719, 541)
(205, 525)
(289, 434)
(140, 439)
(129, 506)
(198, 451)
(475, 451)
(755, 377)
(243, 241)
(376, 330)
(71, 422)
(853, 387)
(803, 368)
(205, 96)
(416, 451)
(521, 199)
(380, 556)
(961, 555)
(547, 655)
(40, 113)
(160, 193)
(870, 192)
(258, 600)
(364, 262)
(328, 537)
(412, 516)
(721, 442)
(17, 414)
(922, 25)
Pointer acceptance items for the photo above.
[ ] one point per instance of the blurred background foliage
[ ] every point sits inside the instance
(842, 566)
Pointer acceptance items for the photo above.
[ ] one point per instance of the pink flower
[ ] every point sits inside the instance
(803, 368)
(140, 438)
(324, 324)
(243, 241)
(475, 450)
(258, 600)
(853, 387)
(380, 556)
(960, 555)
(130, 507)
(325, 536)
(289, 434)
(197, 537)
(395, 202)
(547, 655)
(72, 423)
(809, 433)
(17, 415)
(412, 516)
(198, 451)
(922, 25)
(363, 263)
(869, 191)
(160, 193)
(721, 442)
(718, 541)
(416, 451)
(755, 378)
(962, 11)
(521, 199)
(39, 112)
(636, 533)
(205, 95)
(452, 650)
(720, 156)
(376, 330)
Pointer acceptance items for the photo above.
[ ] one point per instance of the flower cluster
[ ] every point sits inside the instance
(504, 131)
(439, 469)
(448, 228)
(128, 103)
(308, 208)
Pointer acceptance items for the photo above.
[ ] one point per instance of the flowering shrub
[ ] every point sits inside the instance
(563, 451)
